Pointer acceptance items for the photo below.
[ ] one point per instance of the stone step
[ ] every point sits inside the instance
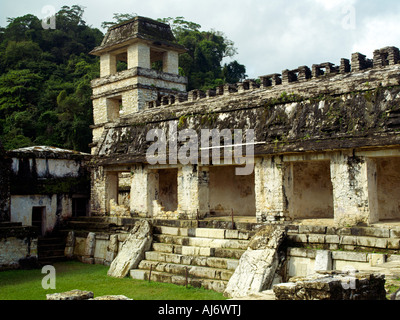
(10, 224)
(198, 251)
(50, 253)
(212, 262)
(213, 233)
(202, 242)
(208, 284)
(213, 224)
(193, 271)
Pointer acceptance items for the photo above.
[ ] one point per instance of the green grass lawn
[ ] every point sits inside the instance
(27, 285)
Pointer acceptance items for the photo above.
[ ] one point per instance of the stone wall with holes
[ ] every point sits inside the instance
(48, 178)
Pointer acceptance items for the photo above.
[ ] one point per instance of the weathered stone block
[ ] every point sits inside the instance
(231, 234)
(393, 244)
(71, 295)
(376, 259)
(332, 239)
(316, 238)
(210, 233)
(395, 232)
(348, 240)
(323, 261)
(138, 274)
(132, 250)
(257, 266)
(350, 256)
(312, 229)
(298, 238)
(342, 286)
(366, 242)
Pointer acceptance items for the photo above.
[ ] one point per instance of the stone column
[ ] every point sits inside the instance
(269, 189)
(144, 191)
(204, 190)
(98, 189)
(139, 56)
(111, 189)
(112, 250)
(108, 65)
(171, 62)
(70, 245)
(90, 245)
(354, 189)
(188, 191)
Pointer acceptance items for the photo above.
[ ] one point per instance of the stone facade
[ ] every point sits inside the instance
(18, 246)
(326, 142)
(48, 186)
(330, 131)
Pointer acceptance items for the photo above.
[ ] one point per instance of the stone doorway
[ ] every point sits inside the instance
(388, 188)
(309, 190)
(39, 219)
(168, 189)
(228, 191)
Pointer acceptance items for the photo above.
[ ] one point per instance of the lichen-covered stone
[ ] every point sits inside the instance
(333, 286)
(132, 250)
(71, 295)
(258, 265)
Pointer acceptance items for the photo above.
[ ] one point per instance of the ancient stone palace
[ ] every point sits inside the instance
(326, 138)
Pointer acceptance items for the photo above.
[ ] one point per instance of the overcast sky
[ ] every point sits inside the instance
(269, 35)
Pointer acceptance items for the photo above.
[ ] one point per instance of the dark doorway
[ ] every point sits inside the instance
(38, 217)
(79, 207)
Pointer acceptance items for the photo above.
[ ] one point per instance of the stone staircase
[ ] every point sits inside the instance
(193, 255)
(51, 249)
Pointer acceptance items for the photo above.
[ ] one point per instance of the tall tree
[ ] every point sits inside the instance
(38, 66)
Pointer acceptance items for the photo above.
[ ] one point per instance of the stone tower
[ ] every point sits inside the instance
(141, 43)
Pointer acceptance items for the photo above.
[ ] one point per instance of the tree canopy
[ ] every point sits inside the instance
(45, 74)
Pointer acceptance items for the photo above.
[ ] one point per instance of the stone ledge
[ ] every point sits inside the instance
(333, 286)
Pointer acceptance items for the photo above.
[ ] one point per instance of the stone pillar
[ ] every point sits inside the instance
(354, 189)
(108, 65)
(98, 190)
(90, 245)
(269, 189)
(188, 191)
(144, 191)
(204, 191)
(70, 245)
(139, 56)
(171, 62)
(112, 250)
(111, 189)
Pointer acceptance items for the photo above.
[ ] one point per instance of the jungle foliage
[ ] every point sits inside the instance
(45, 74)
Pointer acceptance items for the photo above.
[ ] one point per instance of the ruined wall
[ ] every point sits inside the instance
(337, 112)
(49, 181)
(318, 131)
(18, 246)
(5, 166)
